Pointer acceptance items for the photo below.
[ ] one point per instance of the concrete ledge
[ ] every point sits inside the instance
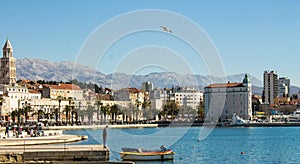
(62, 153)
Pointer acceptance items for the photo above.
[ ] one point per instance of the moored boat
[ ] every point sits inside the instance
(146, 155)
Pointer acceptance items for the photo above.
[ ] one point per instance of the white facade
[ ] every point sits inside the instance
(283, 87)
(189, 97)
(270, 87)
(16, 97)
(223, 100)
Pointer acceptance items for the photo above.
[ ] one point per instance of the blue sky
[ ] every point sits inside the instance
(250, 36)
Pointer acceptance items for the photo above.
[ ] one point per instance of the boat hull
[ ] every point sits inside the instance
(147, 156)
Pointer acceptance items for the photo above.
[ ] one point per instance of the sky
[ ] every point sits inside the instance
(116, 36)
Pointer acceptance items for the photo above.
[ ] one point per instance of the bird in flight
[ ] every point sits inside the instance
(166, 29)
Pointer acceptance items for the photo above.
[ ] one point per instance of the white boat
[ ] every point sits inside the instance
(146, 155)
(236, 120)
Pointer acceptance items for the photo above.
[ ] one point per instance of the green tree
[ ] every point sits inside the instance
(170, 108)
(105, 110)
(59, 99)
(40, 114)
(1, 103)
(137, 112)
(56, 112)
(98, 103)
(81, 114)
(26, 110)
(115, 111)
(90, 112)
(201, 112)
(13, 116)
(131, 109)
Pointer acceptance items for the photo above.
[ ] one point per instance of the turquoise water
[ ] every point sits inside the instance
(223, 145)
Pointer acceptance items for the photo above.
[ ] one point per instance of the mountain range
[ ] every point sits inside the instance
(39, 69)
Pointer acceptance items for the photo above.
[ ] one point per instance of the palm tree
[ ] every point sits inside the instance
(201, 112)
(26, 109)
(17, 113)
(99, 104)
(115, 110)
(13, 116)
(124, 112)
(40, 113)
(59, 98)
(105, 110)
(90, 112)
(131, 110)
(138, 104)
(78, 112)
(1, 103)
(68, 109)
(146, 105)
(56, 112)
(81, 114)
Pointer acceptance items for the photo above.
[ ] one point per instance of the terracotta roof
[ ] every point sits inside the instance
(63, 86)
(132, 90)
(33, 91)
(225, 85)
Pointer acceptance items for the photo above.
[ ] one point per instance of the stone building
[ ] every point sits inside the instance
(8, 65)
(225, 99)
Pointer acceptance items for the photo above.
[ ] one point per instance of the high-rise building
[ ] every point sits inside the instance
(8, 65)
(147, 86)
(283, 87)
(270, 87)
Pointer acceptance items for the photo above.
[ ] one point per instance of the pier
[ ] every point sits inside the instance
(54, 153)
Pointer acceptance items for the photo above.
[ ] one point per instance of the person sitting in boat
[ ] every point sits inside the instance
(163, 148)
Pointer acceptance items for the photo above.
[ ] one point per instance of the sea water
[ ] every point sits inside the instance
(219, 145)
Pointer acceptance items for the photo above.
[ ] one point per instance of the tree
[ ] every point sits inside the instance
(98, 103)
(170, 108)
(56, 112)
(90, 112)
(1, 103)
(138, 104)
(130, 111)
(81, 114)
(59, 99)
(13, 116)
(105, 110)
(17, 113)
(201, 112)
(40, 113)
(115, 111)
(26, 109)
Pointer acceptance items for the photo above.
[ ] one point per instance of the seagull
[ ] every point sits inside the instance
(165, 29)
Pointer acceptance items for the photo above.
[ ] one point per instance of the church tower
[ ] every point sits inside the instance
(8, 65)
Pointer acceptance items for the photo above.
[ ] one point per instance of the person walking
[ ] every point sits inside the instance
(7, 130)
(104, 135)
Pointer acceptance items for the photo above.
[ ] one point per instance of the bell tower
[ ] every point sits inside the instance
(8, 65)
